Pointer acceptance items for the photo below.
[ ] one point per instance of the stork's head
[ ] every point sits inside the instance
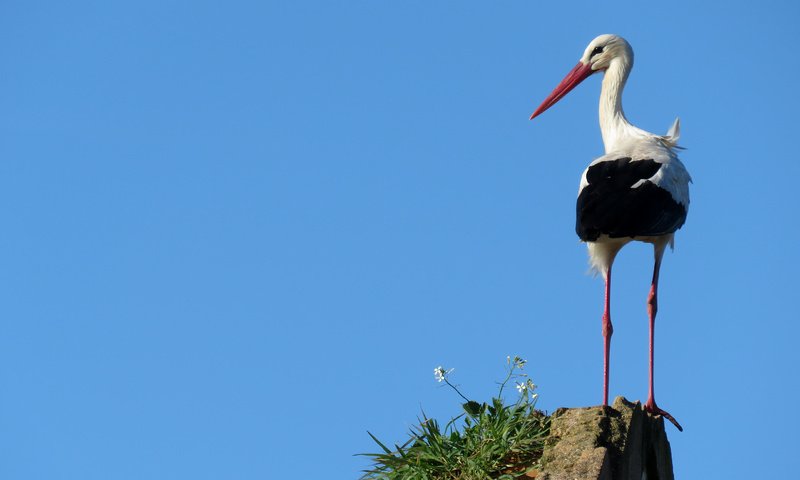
(605, 48)
(598, 56)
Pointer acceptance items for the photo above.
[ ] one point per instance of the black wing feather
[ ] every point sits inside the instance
(608, 205)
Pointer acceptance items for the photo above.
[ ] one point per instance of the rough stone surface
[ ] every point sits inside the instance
(621, 442)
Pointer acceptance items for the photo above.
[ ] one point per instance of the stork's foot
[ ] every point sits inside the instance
(653, 409)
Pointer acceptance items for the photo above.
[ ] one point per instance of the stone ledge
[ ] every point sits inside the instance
(620, 442)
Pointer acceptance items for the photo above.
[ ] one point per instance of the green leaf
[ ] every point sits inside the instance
(379, 442)
(472, 408)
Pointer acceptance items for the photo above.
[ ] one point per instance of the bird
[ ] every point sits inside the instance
(637, 191)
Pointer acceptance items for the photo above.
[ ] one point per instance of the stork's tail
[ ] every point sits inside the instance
(673, 135)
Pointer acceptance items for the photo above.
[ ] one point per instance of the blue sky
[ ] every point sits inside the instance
(238, 235)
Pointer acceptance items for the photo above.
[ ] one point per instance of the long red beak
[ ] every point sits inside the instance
(578, 74)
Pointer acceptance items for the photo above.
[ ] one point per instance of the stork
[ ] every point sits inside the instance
(637, 191)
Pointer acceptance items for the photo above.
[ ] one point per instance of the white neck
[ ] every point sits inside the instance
(613, 124)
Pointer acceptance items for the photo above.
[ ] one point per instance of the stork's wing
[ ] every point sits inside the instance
(619, 198)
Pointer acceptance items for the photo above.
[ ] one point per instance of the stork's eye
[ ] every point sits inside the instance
(596, 51)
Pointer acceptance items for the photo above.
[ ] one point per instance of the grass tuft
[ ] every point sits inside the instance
(489, 440)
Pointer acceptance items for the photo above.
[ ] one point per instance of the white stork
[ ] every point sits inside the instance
(638, 190)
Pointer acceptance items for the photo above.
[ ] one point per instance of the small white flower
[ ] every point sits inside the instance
(521, 387)
(439, 373)
(520, 362)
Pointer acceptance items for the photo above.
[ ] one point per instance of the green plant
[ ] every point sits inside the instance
(495, 441)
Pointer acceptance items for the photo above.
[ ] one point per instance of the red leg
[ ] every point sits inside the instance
(608, 330)
(652, 309)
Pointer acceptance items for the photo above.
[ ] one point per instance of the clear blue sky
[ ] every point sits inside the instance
(238, 235)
